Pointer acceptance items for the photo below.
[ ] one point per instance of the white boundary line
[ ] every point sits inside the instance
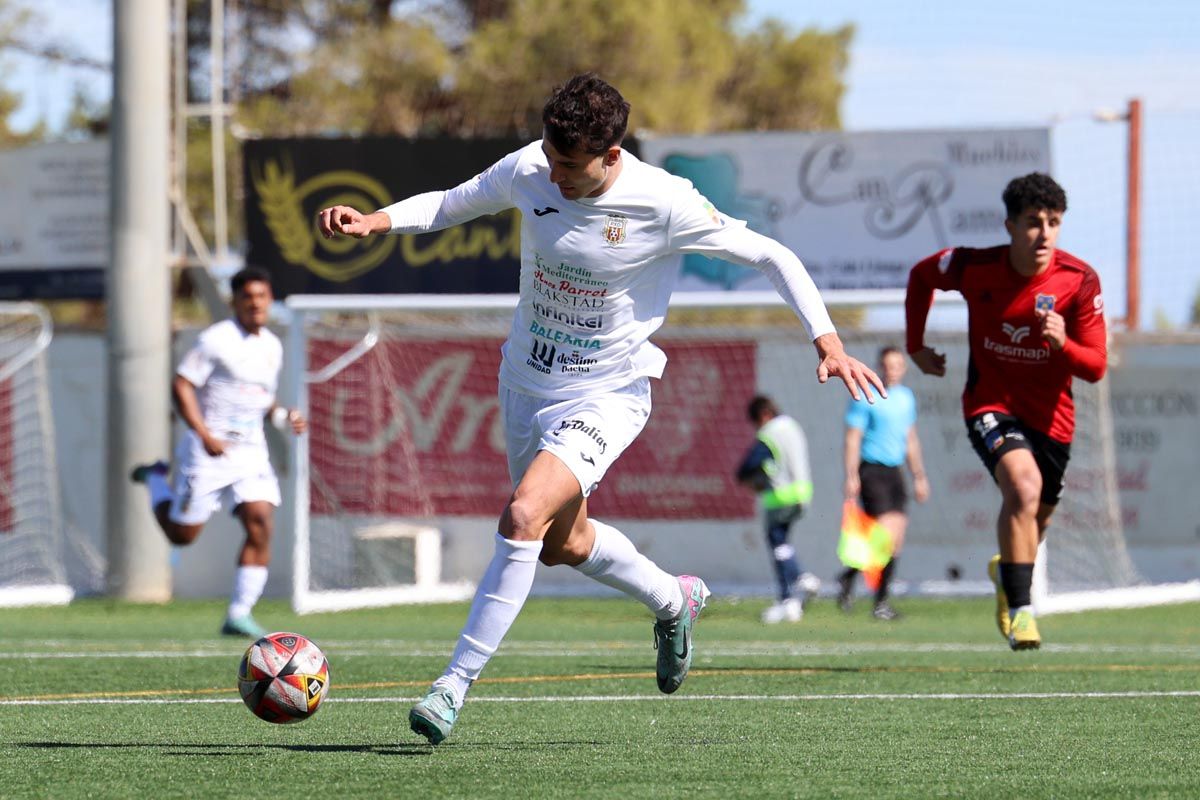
(743, 698)
(577, 650)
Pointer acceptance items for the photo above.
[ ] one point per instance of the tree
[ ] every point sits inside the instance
(13, 23)
(483, 67)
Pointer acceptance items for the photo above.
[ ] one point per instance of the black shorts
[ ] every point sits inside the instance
(993, 434)
(882, 488)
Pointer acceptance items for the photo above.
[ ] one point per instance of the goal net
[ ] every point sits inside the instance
(32, 563)
(401, 479)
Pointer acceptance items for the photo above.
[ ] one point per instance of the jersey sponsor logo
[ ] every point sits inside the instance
(566, 287)
(1014, 333)
(575, 363)
(574, 319)
(944, 261)
(563, 299)
(541, 212)
(614, 229)
(579, 425)
(1012, 352)
(562, 337)
(541, 356)
(1044, 302)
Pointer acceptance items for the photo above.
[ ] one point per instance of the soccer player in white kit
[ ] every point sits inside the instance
(224, 389)
(602, 237)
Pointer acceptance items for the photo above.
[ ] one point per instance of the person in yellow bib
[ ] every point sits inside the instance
(776, 467)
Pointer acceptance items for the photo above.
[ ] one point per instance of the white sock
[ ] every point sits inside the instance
(248, 585)
(615, 562)
(160, 489)
(498, 600)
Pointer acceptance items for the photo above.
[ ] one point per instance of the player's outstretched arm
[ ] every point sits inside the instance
(351, 222)
(931, 273)
(835, 362)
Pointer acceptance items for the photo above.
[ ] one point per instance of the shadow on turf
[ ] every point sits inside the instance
(238, 749)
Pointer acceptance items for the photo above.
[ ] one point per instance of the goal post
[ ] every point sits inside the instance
(403, 473)
(32, 558)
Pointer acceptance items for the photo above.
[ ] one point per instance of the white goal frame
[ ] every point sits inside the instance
(56, 591)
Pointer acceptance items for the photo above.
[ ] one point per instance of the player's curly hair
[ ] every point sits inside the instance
(1035, 190)
(585, 113)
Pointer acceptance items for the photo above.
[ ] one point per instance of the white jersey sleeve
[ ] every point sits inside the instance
(698, 227)
(489, 192)
(198, 363)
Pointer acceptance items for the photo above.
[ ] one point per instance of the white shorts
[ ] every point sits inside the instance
(586, 434)
(201, 483)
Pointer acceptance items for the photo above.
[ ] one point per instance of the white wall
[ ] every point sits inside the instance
(1155, 389)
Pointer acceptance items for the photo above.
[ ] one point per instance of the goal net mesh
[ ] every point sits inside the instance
(32, 564)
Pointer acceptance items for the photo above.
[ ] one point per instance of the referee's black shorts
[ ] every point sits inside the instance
(882, 488)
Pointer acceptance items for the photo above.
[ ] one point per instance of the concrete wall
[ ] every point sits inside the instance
(1155, 390)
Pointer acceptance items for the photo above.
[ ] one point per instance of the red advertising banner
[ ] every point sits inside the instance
(413, 429)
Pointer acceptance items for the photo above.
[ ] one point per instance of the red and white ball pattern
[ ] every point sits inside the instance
(283, 678)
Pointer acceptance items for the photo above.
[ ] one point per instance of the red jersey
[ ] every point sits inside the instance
(1012, 369)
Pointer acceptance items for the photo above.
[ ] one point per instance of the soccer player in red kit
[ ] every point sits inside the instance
(1036, 320)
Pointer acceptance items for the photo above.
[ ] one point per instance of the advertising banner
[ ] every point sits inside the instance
(859, 209)
(432, 443)
(289, 180)
(54, 233)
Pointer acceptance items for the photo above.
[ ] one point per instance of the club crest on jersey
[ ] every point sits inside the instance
(614, 229)
(1044, 302)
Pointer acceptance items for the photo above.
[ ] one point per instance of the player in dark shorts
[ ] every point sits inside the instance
(1036, 321)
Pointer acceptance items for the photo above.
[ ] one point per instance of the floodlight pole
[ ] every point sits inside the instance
(139, 298)
(1133, 199)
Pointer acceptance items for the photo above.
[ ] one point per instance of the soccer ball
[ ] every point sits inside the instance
(283, 678)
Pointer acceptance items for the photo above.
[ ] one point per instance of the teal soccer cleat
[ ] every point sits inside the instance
(434, 716)
(673, 637)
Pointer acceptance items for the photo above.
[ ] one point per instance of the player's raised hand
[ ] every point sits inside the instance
(930, 361)
(835, 362)
(349, 222)
(1054, 328)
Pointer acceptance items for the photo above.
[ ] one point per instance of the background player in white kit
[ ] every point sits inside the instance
(602, 235)
(224, 389)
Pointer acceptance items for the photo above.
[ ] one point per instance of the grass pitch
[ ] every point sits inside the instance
(103, 699)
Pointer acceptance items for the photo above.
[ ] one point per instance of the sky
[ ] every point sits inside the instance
(944, 64)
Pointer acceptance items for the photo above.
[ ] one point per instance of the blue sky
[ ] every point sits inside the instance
(947, 64)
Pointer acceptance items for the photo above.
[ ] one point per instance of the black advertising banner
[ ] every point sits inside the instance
(289, 180)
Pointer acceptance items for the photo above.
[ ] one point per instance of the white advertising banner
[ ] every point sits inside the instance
(54, 230)
(858, 208)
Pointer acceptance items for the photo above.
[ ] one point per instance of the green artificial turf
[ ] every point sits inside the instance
(103, 699)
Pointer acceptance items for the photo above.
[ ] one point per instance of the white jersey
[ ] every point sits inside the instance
(235, 374)
(597, 273)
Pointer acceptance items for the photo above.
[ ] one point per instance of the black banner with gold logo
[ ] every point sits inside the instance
(289, 180)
